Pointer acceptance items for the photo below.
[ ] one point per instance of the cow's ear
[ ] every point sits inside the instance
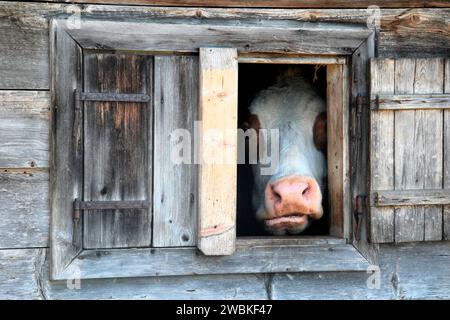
(320, 132)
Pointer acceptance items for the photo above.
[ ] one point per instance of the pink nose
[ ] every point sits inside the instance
(294, 195)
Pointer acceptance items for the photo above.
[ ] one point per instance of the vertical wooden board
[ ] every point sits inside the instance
(118, 150)
(409, 220)
(24, 129)
(218, 151)
(382, 150)
(336, 149)
(66, 158)
(360, 145)
(175, 184)
(446, 147)
(418, 149)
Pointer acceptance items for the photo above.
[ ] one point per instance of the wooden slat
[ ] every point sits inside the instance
(285, 37)
(66, 158)
(337, 94)
(24, 209)
(175, 184)
(416, 101)
(411, 197)
(382, 150)
(118, 150)
(446, 182)
(288, 59)
(431, 80)
(218, 154)
(338, 4)
(214, 287)
(24, 129)
(246, 259)
(409, 221)
(418, 149)
(359, 125)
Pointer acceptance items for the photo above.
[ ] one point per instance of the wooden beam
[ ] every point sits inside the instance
(288, 59)
(187, 261)
(338, 4)
(410, 197)
(410, 102)
(218, 170)
(275, 37)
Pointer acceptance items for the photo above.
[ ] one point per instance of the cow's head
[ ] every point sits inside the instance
(286, 200)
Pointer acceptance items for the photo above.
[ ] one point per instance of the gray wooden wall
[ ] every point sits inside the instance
(407, 270)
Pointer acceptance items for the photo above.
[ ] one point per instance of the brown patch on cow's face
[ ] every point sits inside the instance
(253, 122)
(320, 132)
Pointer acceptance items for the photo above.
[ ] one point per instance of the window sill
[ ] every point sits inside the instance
(252, 256)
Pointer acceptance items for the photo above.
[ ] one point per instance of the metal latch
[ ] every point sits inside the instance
(358, 214)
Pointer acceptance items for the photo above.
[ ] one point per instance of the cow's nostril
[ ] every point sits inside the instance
(276, 196)
(305, 191)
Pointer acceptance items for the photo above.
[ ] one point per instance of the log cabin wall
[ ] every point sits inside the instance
(410, 270)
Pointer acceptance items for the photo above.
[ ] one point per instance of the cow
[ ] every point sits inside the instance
(286, 201)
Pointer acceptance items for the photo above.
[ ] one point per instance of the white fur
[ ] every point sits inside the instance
(291, 106)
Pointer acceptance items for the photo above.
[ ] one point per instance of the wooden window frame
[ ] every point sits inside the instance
(345, 48)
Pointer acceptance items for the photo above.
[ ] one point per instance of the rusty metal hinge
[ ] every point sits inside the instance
(112, 96)
(76, 220)
(360, 210)
(361, 103)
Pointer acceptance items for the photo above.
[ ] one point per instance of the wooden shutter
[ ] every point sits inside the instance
(217, 180)
(409, 150)
(117, 149)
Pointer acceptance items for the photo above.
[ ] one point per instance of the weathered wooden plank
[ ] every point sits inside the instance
(327, 286)
(24, 30)
(292, 240)
(215, 287)
(338, 175)
(66, 147)
(20, 274)
(23, 50)
(218, 150)
(288, 59)
(416, 101)
(418, 148)
(382, 150)
(24, 129)
(175, 183)
(338, 4)
(359, 144)
(411, 197)
(409, 221)
(446, 182)
(24, 209)
(118, 148)
(188, 261)
(401, 276)
(416, 270)
(279, 38)
(418, 160)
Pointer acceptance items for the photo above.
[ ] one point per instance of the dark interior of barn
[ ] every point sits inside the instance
(252, 79)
